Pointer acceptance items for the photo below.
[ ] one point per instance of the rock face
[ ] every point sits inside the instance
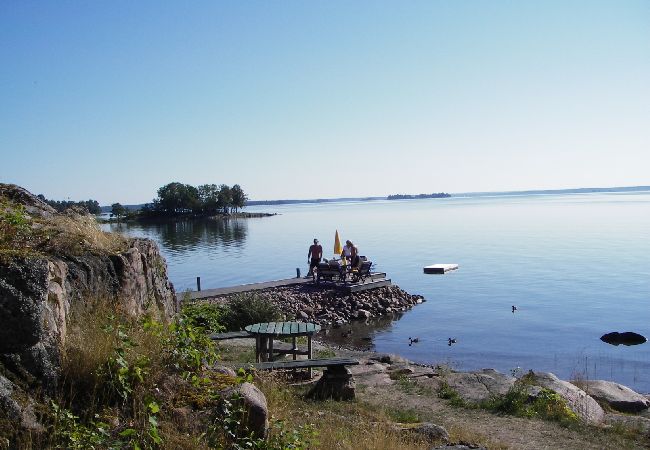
(475, 387)
(582, 404)
(37, 294)
(617, 396)
(39, 289)
(23, 415)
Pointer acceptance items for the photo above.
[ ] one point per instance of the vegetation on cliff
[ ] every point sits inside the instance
(30, 227)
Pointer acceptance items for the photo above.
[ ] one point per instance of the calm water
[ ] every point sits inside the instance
(576, 267)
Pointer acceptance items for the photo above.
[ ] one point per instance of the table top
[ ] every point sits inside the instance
(283, 329)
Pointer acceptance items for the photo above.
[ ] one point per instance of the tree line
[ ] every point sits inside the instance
(92, 206)
(179, 199)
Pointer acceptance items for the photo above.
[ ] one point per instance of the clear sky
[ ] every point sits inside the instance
(312, 99)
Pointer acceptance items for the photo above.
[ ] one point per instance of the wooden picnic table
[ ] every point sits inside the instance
(265, 333)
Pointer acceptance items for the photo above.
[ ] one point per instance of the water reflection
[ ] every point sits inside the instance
(188, 235)
(359, 334)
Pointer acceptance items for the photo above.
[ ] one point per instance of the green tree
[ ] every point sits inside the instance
(224, 197)
(118, 210)
(92, 206)
(239, 197)
(178, 198)
(208, 196)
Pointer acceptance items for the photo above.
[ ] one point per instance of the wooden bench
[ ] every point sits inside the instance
(301, 364)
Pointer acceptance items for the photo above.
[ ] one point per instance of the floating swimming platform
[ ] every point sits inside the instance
(440, 268)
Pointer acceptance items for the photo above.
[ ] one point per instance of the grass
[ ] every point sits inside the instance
(324, 353)
(404, 415)
(70, 234)
(341, 425)
(547, 405)
(408, 385)
(128, 383)
(448, 393)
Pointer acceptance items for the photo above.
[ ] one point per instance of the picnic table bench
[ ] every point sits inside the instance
(302, 364)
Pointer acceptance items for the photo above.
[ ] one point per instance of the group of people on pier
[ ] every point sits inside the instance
(349, 255)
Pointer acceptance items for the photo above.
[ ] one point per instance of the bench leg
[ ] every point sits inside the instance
(295, 347)
(309, 355)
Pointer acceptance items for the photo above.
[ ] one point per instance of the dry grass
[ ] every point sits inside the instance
(74, 234)
(339, 425)
(70, 233)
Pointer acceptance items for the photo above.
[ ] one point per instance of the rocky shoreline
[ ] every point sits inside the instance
(331, 309)
(328, 307)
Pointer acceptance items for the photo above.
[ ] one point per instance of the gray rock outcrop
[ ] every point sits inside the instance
(617, 396)
(431, 431)
(474, 387)
(578, 400)
(13, 411)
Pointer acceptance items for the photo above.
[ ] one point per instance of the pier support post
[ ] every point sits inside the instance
(297, 272)
(198, 284)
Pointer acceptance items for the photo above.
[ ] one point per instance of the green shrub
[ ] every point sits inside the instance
(547, 405)
(204, 315)
(404, 415)
(246, 309)
(448, 393)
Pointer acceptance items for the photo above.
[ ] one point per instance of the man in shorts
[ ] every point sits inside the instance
(314, 256)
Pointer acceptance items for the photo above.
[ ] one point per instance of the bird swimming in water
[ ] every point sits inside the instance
(514, 308)
(451, 341)
(413, 340)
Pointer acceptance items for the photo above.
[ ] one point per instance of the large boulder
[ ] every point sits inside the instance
(617, 396)
(475, 387)
(254, 402)
(577, 400)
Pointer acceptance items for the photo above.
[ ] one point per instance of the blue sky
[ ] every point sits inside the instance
(111, 100)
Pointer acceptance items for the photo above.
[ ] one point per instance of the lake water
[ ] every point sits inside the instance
(576, 266)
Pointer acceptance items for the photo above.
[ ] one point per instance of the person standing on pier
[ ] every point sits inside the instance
(351, 253)
(314, 256)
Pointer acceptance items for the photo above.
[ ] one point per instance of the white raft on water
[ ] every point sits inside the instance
(440, 268)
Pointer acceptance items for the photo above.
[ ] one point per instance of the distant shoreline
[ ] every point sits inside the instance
(183, 217)
(593, 190)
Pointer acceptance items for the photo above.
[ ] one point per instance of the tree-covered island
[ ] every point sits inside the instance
(178, 200)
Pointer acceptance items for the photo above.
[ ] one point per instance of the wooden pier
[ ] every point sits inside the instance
(374, 281)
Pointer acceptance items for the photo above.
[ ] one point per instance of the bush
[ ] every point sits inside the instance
(246, 309)
(204, 315)
(548, 405)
